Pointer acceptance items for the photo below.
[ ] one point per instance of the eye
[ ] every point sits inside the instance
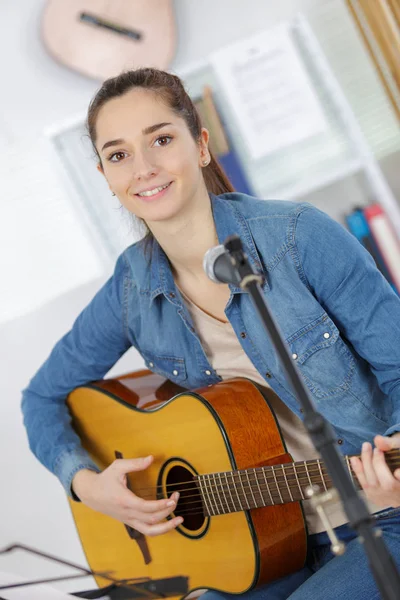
(164, 137)
(111, 157)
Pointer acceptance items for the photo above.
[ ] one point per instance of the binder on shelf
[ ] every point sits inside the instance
(386, 239)
(358, 226)
(219, 142)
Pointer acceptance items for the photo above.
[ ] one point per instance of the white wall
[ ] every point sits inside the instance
(36, 92)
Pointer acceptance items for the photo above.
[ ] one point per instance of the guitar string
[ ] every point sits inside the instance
(256, 486)
(391, 461)
(301, 470)
(260, 484)
(260, 489)
(223, 503)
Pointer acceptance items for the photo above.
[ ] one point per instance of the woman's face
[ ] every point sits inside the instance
(144, 146)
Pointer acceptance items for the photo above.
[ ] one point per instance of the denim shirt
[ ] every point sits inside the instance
(338, 315)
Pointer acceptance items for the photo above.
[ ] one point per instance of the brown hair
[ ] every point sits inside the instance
(171, 90)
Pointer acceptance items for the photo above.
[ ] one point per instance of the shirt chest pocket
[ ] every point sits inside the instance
(171, 367)
(322, 357)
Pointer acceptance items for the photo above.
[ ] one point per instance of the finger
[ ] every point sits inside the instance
(156, 517)
(386, 443)
(137, 506)
(384, 474)
(158, 529)
(368, 466)
(383, 443)
(358, 470)
(153, 506)
(130, 465)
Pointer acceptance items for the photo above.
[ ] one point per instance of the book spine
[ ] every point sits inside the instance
(386, 240)
(358, 226)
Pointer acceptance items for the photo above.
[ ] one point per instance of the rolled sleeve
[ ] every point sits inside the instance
(98, 338)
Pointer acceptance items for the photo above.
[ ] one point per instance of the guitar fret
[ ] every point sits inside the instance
(287, 484)
(251, 490)
(217, 493)
(308, 474)
(277, 485)
(212, 494)
(322, 477)
(223, 491)
(208, 508)
(237, 493)
(259, 488)
(268, 490)
(244, 493)
(298, 482)
(349, 466)
(229, 490)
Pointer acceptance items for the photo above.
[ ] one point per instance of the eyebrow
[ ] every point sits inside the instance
(146, 131)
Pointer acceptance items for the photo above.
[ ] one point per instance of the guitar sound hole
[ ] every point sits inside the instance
(190, 505)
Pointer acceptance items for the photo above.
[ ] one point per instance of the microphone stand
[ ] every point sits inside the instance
(380, 560)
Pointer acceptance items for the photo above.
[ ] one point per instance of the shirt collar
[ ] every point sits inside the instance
(229, 220)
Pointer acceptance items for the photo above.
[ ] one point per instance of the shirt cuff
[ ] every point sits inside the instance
(392, 430)
(68, 464)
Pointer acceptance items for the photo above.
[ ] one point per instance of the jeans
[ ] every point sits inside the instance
(329, 577)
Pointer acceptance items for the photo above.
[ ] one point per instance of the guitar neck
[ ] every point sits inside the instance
(234, 491)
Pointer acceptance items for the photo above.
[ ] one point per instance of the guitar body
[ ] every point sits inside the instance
(219, 428)
(101, 38)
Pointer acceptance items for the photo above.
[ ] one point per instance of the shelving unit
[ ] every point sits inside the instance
(341, 151)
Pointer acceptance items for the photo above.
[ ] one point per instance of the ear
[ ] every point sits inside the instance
(203, 143)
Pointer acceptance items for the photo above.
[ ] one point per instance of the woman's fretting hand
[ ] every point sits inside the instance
(379, 484)
(108, 493)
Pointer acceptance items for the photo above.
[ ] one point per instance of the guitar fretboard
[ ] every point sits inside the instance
(234, 491)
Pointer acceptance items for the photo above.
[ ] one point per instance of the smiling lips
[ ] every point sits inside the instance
(153, 191)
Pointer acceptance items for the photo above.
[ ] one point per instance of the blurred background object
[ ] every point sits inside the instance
(100, 38)
(379, 25)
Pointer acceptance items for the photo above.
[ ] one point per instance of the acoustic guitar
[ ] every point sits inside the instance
(101, 38)
(221, 448)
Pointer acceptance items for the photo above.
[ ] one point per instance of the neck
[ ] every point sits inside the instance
(186, 238)
(233, 491)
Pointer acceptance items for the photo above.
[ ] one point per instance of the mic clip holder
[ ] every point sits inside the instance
(318, 499)
(380, 560)
(242, 270)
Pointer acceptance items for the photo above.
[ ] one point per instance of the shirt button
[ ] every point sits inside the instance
(340, 442)
(208, 372)
(268, 374)
(172, 295)
(175, 372)
(243, 334)
(327, 335)
(294, 356)
(302, 410)
(151, 364)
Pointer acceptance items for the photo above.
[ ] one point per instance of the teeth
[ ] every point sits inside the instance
(155, 191)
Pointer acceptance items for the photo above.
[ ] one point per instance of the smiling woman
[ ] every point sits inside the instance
(339, 316)
(160, 149)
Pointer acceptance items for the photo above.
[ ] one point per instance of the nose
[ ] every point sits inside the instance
(143, 168)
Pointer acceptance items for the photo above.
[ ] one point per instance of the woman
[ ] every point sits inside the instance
(339, 316)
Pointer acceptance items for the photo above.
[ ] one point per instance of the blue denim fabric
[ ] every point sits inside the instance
(335, 310)
(326, 577)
